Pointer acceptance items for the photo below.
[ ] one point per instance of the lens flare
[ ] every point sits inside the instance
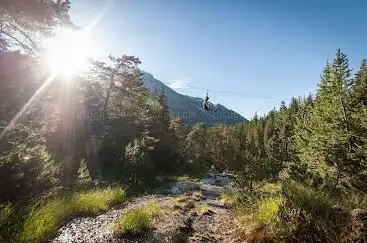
(67, 52)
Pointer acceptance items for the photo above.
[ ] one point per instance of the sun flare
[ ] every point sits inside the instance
(67, 51)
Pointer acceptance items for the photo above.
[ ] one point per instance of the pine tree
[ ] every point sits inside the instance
(196, 145)
(359, 121)
(360, 87)
(325, 142)
(165, 154)
(178, 130)
(83, 173)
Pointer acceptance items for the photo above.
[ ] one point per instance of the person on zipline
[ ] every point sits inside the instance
(206, 102)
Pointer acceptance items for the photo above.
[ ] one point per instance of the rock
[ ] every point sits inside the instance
(204, 238)
(217, 179)
(184, 187)
(188, 206)
(193, 214)
(196, 199)
(175, 207)
(209, 212)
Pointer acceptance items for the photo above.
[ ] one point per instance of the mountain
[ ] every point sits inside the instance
(188, 108)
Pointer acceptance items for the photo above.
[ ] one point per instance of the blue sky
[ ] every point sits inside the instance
(269, 49)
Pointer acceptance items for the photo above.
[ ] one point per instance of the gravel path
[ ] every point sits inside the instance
(186, 224)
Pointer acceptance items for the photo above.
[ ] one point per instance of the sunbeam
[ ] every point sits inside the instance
(31, 101)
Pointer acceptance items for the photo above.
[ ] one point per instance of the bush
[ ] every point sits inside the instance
(45, 219)
(136, 221)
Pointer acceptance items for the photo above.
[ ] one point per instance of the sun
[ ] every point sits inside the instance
(67, 51)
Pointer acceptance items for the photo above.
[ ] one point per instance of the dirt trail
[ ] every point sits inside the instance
(212, 223)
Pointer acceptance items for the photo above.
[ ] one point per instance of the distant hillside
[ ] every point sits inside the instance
(190, 108)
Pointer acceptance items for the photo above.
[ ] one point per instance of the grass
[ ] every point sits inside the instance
(138, 220)
(270, 188)
(261, 221)
(312, 201)
(8, 222)
(277, 212)
(202, 207)
(313, 210)
(290, 212)
(228, 198)
(6, 210)
(182, 199)
(43, 220)
(268, 209)
(354, 201)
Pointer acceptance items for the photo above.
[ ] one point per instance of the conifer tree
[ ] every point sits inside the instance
(325, 143)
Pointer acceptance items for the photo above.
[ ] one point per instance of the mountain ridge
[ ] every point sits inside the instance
(189, 108)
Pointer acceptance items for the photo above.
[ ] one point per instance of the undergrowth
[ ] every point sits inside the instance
(289, 212)
(44, 219)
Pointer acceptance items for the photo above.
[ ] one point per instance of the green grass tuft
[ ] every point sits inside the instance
(270, 188)
(97, 200)
(7, 222)
(202, 207)
(268, 210)
(45, 219)
(354, 201)
(138, 220)
(182, 199)
(229, 197)
(313, 201)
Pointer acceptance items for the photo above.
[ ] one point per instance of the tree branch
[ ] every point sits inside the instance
(18, 41)
(25, 35)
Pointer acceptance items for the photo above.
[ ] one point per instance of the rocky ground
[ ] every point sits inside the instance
(196, 215)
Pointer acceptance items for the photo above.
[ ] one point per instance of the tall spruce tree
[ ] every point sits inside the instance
(327, 146)
(359, 123)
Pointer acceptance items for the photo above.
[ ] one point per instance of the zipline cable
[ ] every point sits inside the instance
(226, 92)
